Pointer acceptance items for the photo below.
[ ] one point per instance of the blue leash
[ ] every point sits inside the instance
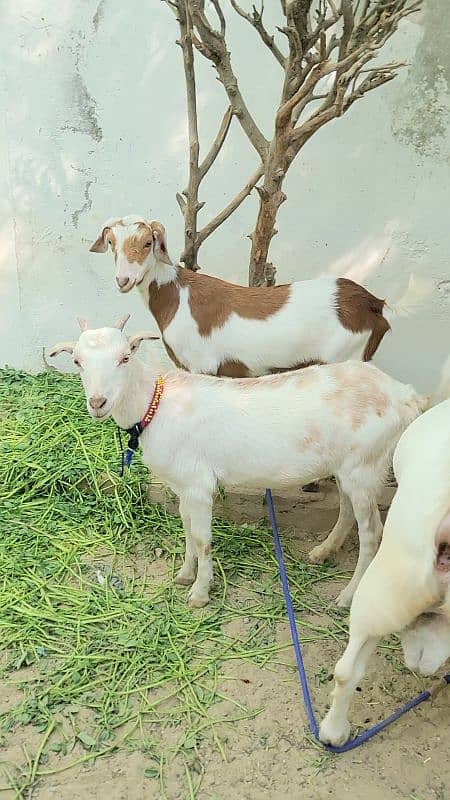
(365, 735)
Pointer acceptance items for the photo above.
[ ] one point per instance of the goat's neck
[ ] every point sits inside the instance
(136, 397)
(161, 274)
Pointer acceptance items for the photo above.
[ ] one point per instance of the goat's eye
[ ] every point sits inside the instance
(125, 360)
(76, 362)
(148, 244)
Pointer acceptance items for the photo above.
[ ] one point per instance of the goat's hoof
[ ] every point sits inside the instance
(344, 599)
(184, 579)
(332, 734)
(197, 601)
(317, 555)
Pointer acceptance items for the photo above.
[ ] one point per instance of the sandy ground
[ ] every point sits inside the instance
(270, 757)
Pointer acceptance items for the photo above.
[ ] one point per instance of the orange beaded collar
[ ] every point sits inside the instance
(136, 430)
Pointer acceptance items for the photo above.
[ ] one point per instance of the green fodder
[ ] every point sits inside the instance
(110, 665)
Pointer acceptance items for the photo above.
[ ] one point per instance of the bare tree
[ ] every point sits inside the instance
(324, 50)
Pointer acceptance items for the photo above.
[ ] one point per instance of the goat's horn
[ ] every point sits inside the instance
(120, 324)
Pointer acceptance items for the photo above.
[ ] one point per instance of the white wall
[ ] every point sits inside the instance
(95, 125)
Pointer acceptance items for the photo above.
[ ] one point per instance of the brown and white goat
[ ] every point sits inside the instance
(211, 326)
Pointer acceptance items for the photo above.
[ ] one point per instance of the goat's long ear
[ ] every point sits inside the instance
(160, 240)
(135, 341)
(120, 324)
(62, 347)
(101, 243)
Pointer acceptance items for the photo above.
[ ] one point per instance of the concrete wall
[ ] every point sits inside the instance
(95, 125)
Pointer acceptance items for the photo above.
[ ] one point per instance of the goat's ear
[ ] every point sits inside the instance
(160, 240)
(62, 347)
(101, 244)
(135, 341)
(83, 324)
(120, 324)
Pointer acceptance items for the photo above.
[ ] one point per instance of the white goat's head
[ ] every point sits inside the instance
(137, 246)
(101, 356)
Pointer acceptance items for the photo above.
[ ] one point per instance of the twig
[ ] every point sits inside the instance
(213, 44)
(217, 144)
(219, 13)
(231, 207)
(255, 19)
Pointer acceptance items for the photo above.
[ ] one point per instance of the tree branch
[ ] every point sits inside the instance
(375, 78)
(349, 24)
(212, 44)
(219, 13)
(216, 146)
(255, 19)
(226, 212)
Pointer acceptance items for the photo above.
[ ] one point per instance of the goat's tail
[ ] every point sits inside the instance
(414, 298)
(441, 393)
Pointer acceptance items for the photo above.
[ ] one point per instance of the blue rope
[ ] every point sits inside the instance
(133, 443)
(365, 735)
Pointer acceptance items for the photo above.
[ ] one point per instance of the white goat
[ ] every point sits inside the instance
(210, 326)
(246, 434)
(406, 587)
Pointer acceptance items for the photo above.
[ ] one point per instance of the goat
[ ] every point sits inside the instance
(406, 587)
(246, 434)
(210, 326)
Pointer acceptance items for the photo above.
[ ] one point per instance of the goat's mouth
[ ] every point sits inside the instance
(127, 288)
(100, 413)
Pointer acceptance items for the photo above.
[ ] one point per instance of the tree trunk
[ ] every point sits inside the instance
(262, 272)
(271, 196)
(191, 245)
(190, 206)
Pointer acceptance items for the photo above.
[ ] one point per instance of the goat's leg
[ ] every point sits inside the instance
(341, 530)
(349, 670)
(380, 607)
(186, 574)
(370, 529)
(200, 511)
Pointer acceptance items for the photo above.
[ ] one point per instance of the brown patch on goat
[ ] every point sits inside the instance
(312, 438)
(233, 369)
(133, 246)
(312, 362)
(358, 310)
(212, 300)
(163, 303)
(356, 398)
(308, 376)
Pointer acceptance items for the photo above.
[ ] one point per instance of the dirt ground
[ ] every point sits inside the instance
(272, 757)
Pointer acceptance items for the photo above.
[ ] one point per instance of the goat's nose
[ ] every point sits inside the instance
(121, 282)
(97, 401)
